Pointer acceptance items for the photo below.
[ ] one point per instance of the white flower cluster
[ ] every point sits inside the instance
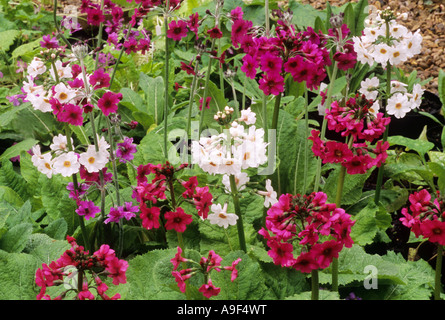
(370, 49)
(400, 102)
(60, 160)
(37, 94)
(235, 149)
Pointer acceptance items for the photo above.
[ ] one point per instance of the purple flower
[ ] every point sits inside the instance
(130, 210)
(115, 214)
(125, 150)
(17, 99)
(49, 43)
(87, 209)
(127, 211)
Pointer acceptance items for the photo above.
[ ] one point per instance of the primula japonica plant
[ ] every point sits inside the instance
(82, 274)
(425, 218)
(307, 233)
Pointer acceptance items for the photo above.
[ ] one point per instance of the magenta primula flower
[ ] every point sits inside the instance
(100, 79)
(149, 216)
(95, 16)
(250, 66)
(177, 220)
(424, 216)
(71, 113)
(272, 83)
(177, 29)
(108, 103)
(319, 229)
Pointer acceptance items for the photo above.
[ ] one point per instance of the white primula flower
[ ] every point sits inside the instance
(397, 31)
(397, 86)
(66, 164)
(398, 55)
(60, 144)
(374, 109)
(398, 105)
(369, 88)
(382, 53)
(220, 217)
(416, 98)
(413, 43)
(270, 195)
(93, 160)
(36, 67)
(63, 94)
(240, 181)
(363, 48)
(40, 102)
(45, 165)
(36, 155)
(30, 87)
(247, 116)
(62, 72)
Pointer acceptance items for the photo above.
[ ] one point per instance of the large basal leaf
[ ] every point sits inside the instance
(250, 283)
(154, 90)
(149, 277)
(368, 222)
(16, 238)
(293, 148)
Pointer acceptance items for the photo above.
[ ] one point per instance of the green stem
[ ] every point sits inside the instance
(338, 197)
(306, 142)
(315, 291)
(276, 112)
(438, 272)
(59, 32)
(385, 136)
(324, 123)
(239, 223)
(76, 187)
(206, 89)
(265, 124)
(166, 80)
(191, 99)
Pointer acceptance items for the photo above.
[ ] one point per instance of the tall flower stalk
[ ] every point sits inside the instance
(166, 76)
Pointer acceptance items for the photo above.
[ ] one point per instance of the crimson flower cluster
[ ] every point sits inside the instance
(204, 266)
(301, 54)
(360, 125)
(73, 266)
(148, 193)
(425, 216)
(306, 224)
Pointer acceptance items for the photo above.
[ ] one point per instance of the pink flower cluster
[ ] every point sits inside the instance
(309, 225)
(204, 266)
(148, 193)
(301, 54)
(425, 216)
(74, 264)
(355, 121)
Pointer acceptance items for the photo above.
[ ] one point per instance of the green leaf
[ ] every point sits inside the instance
(15, 150)
(57, 229)
(153, 89)
(17, 276)
(250, 283)
(7, 38)
(420, 146)
(352, 186)
(441, 87)
(16, 238)
(149, 277)
(368, 222)
(361, 12)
